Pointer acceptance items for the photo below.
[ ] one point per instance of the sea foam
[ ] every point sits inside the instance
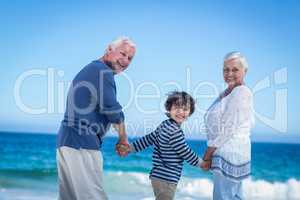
(201, 188)
(133, 185)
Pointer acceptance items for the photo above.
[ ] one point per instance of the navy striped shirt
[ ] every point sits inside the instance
(170, 150)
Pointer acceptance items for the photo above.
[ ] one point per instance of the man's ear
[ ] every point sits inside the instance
(109, 48)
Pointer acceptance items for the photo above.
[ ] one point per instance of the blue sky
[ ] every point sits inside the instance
(175, 39)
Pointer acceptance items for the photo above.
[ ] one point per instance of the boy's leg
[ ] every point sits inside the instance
(163, 190)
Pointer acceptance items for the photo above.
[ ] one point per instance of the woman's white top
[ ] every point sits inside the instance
(228, 124)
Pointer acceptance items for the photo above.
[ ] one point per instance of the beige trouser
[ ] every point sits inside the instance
(80, 174)
(163, 190)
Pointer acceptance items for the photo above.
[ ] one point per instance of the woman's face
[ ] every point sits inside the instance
(233, 72)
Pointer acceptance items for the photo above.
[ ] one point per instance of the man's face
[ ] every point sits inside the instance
(233, 72)
(120, 57)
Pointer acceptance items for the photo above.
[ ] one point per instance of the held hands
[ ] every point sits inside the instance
(122, 148)
(205, 165)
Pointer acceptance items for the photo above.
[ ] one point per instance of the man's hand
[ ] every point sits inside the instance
(122, 148)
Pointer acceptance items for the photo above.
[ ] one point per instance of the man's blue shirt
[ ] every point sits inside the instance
(91, 107)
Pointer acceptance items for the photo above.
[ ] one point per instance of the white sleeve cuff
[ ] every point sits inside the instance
(132, 149)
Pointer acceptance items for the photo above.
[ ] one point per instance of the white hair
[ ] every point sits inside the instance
(120, 40)
(237, 55)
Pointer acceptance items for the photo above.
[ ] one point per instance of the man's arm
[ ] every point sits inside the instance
(107, 98)
(120, 128)
(122, 146)
(110, 107)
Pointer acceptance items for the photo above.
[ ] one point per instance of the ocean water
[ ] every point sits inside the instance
(28, 171)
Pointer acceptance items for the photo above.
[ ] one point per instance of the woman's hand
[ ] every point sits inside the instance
(205, 165)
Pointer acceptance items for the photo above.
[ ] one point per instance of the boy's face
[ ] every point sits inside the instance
(180, 113)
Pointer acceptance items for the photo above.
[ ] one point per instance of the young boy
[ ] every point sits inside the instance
(170, 147)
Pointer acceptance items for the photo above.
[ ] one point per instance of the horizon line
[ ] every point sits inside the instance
(109, 135)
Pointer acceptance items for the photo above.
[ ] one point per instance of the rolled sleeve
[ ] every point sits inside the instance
(108, 104)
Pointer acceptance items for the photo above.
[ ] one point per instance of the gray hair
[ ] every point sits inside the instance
(120, 40)
(237, 55)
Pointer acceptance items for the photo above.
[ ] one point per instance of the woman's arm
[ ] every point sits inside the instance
(205, 165)
(208, 153)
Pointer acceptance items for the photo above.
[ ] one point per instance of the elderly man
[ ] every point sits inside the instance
(91, 108)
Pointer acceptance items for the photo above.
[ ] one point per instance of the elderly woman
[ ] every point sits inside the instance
(228, 123)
